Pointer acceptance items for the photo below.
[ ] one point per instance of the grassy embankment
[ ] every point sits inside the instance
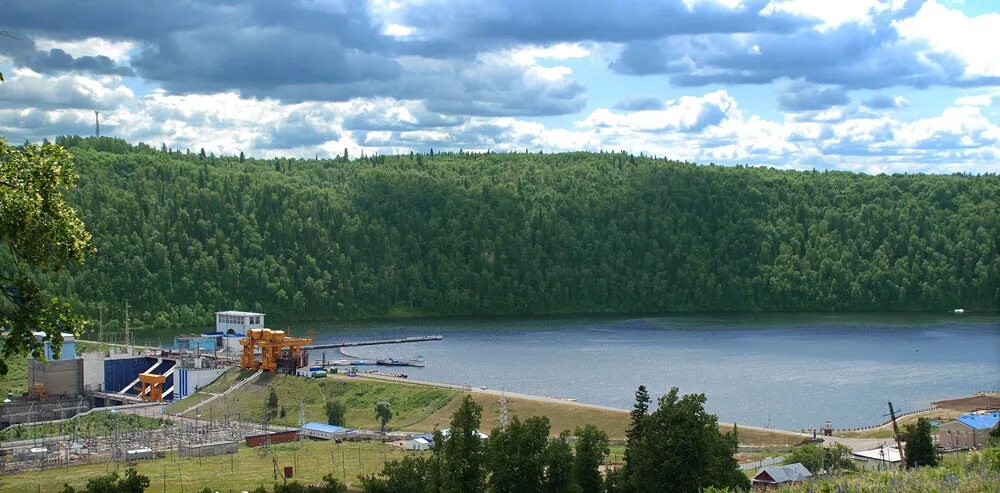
(243, 471)
(416, 407)
(410, 403)
(94, 424)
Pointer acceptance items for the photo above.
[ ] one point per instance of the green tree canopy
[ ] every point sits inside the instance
(462, 451)
(516, 455)
(383, 412)
(559, 466)
(919, 448)
(471, 234)
(39, 232)
(335, 411)
(271, 404)
(132, 482)
(678, 448)
(591, 449)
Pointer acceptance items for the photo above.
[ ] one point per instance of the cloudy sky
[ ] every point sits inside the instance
(865, 85)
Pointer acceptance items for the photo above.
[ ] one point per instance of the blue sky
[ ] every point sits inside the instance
(875, 86)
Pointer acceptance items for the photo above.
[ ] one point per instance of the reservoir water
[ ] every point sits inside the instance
(784, 371)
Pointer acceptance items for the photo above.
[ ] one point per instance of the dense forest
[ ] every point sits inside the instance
(181, 234)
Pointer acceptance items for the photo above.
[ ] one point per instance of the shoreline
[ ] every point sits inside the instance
(364, 322)
(854, 442)
(547, 400)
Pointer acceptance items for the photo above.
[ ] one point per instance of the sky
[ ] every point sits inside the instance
(894, 86)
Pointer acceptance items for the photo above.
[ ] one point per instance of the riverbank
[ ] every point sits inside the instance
(612, 420)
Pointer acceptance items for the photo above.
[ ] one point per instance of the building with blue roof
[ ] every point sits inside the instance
(968, 431)
(324, 431)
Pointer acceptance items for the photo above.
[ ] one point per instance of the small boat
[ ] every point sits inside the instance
(959, 311)
(396, 362)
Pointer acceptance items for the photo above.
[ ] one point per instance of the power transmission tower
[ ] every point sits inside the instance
(302, 422)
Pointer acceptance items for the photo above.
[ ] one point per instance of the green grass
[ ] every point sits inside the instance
(94, 424)
(966, 474)
(16, 380)
(245, 470)
(410, 403)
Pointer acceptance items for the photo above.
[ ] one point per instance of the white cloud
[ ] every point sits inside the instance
(529, 55)
(831, 13)
(398, 30)
(684, 114)
(27, 88)
(972, 39)
(701, 128)
(977, 100)
(119, 51)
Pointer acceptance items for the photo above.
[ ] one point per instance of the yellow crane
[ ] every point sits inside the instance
(277, 350)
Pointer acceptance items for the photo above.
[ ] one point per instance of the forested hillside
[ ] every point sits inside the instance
(183, 234)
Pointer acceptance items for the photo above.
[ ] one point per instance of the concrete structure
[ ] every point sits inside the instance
(59, 377)
(189, 380)
(207, 449)
(25, 411)
(323, 431)
(67, 349)
(93, 371)
(968, 431)
(775, 476)
(238, 322)
(878, 459)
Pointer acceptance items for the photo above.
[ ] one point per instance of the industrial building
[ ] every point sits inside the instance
(207, 449)
(273, 437)
(878, 459)
(968, 431)
(323, 431)
(189, 380)
(238, 322)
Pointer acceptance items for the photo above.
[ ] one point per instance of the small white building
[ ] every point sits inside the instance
(447, 432)
(878, 459)
(234, 322)
(139, 454)
(419, 443)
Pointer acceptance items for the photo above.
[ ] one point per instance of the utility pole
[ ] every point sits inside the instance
(895, 431)
(100, 324)
(97, 123)
(128, 333)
